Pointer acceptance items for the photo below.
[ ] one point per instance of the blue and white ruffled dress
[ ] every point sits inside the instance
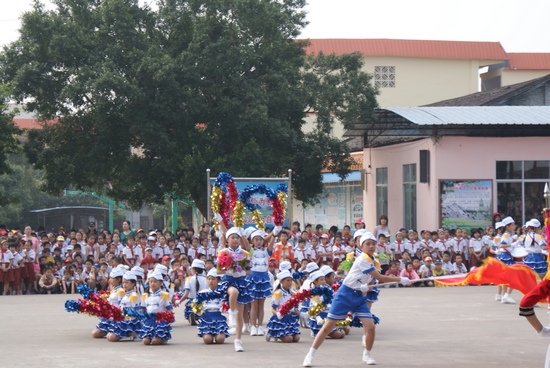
(191, 286)
(535, 259)
(127, 326)
(259, 284)
(289, 324)
(237, 280)
(212, 321)
(157, 301)
(505, 256)
(115, 297)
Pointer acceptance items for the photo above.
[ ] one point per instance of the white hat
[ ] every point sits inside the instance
(157, 276)
(153, 233)
(162, 269)
(283, 275)
(197, 263)
(367, 236)
(148, 248)
(359, 233)
(326, 270)
(129, 276)
(533, 223)
(507, 221)
(499, 224)
(248, 231)
(233, 230)
(150, 238)
(117, 272)
(213, 273)
(311, 266)
(315, 275)
(138, 271)
(70, 247)
(256, 233)
(285, 266)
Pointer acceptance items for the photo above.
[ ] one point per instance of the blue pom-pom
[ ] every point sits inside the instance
(85, 291)
(298, 275)
(283, 187)
(326, 292)
(222, 179)
(72, 306)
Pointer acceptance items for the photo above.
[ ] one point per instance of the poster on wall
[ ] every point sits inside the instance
(466, 203)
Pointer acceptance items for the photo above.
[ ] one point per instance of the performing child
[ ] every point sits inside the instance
(285, 328)
(213, 326)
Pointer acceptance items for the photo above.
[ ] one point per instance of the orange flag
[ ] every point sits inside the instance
(518, 276)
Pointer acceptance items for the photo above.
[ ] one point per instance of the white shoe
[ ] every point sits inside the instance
(367, 359)
(364, 341)
(498, 297)
(544, 333)
(308, 361)
(253, 331)
(246, 328)
(239, 346)
(260, 331)
(232, 318)
(232, 331)
(507, 299)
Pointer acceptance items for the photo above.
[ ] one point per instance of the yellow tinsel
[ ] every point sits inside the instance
(344, 323)
(282, 198)
(257, 218)
(197, 308)
(215, 198)
(316, 309)
(238, 214)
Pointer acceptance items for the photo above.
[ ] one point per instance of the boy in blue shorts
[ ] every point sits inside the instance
(351, 297)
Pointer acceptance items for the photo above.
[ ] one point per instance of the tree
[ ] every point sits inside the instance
(146, 100)
(9, 141)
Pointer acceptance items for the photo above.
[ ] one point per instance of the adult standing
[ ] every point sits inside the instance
(382, 227)
(28, 235)
(126, 232)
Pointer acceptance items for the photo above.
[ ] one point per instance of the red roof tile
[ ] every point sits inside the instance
(529, 60)
(27, 123)
(410, 48)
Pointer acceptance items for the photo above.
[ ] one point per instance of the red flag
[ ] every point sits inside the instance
(518, 276)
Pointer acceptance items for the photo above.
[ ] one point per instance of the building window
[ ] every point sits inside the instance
(520, 187)
(384, 76)
(381, 192)
(409, 196)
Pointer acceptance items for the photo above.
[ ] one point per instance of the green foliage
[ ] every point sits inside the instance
(148, 99)
(9, 142)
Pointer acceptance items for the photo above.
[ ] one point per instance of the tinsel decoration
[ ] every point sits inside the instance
(257, 218)
(298, 275)
(316, 309)
(198, 303)
(323, 291)
(278, 212)
(225, 307)
(158, 317)
(96, 306)
(238, 214)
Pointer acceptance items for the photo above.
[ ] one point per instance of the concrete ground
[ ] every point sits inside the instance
(420, 327)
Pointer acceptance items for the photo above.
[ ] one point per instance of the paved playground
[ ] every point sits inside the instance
(420, 327)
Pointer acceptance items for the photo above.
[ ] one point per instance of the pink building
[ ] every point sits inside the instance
(427, 167)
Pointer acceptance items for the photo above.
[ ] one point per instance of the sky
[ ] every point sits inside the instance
(519, 25)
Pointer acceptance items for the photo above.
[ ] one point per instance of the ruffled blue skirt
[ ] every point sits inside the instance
(286, 326)
(304, 306)
(188, 310)
(315, 327)
(124, 328)
(506, 258)
(259, 286)
(104, 325)
(212, 323)
(151, 329)
(537, 262)
(238, 283)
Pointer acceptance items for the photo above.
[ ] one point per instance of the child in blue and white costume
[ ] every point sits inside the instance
(126, 328)
(304, 306)
(157, 300)
(193, 285)
(284, 328)
(140, 274)
(259, 285)
(316, 323)
(235, 285)
(508, 241)
(117, 293)
(351, 297)
(212, 324)
(535, 244)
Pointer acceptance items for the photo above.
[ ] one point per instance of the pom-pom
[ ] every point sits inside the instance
(298, 275)
(85, 291)
(238, 214)
(225, 307)
(72, 306)
(294, 302)
(316, 309)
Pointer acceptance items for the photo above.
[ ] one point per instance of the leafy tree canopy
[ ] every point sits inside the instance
(9, 139)
(146, 98)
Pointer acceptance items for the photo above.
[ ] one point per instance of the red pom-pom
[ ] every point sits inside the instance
(225, 307)
(167, 317)
(233, 194)
(294, 302)
(278, 213)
